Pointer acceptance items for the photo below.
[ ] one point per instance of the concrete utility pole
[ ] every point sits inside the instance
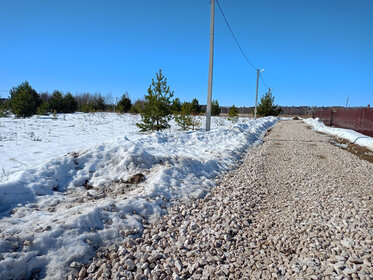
(347, 101)
(257, 85)
(209, 89)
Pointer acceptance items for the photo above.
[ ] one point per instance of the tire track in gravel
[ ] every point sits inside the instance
(297, 208)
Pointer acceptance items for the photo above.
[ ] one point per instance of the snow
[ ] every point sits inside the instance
(29, 142)
(69, 196)
(348, 134)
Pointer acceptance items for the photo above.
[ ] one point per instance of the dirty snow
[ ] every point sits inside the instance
(348, 134)
(70, 196)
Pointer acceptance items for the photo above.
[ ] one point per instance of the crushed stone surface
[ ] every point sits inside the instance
(297, 208)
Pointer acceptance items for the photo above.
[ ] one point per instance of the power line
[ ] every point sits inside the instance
(234, 37)
(262, 80)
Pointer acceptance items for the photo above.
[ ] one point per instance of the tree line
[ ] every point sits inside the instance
(156, 110)
(25, 102)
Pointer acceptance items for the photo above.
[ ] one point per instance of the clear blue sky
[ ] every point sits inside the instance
(314, 52)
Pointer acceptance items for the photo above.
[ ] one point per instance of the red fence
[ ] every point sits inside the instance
(360, 120)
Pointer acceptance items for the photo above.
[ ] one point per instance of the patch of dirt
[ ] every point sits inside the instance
(135, 179)
(296, 119)
(357, 150)
(268, 131)
(87, 186)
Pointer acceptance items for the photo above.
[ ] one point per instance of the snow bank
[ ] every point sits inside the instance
(64, 209)
(348, 134)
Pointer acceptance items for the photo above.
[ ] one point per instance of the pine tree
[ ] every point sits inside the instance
(56, 102)
(24, 100)
(233, 114)
(176, 105)
(215, 109)
(196, 108)
(137, 107)
(3, 109)
(43, 108)
(99, 104)
(183, 119)
(124, 104)
(70, 103)
(266, 106)
(157, 108)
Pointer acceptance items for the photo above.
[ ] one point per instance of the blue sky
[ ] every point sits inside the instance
(314, 52)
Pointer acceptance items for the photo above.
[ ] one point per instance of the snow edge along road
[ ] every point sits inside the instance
(347, 134)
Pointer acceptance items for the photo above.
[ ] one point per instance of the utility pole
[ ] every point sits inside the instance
(347, 101)
(257, 85)
(256, 95)
(211, 60)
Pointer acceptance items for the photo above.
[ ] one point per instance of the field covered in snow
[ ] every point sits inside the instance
(64, 189)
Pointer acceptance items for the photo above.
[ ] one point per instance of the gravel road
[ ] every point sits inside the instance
(297, 208)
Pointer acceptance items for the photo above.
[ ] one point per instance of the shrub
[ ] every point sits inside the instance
(157, 108)
(24, 100)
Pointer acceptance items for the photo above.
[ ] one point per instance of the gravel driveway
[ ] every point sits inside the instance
(297, 208)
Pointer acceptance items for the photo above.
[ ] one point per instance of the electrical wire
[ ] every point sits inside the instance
(262, 80)
(234, 37)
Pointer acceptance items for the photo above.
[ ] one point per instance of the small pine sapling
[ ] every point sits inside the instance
(157, 108)
(184, 119)
(267, 106)
(233, 114)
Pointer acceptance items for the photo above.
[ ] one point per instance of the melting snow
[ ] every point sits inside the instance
(71, 193)
(348, 134)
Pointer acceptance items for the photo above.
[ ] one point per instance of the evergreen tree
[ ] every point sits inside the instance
(157, 108)
(266, 106)
(70, 103)
(215, 109)
(4, 109)
(99, 103)
(124, 104)
(137, 107)
(183, 119)
(24, 100)
(176, 105)
(43, 108)
(196, 108)
(56, 102)
(233, 114)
